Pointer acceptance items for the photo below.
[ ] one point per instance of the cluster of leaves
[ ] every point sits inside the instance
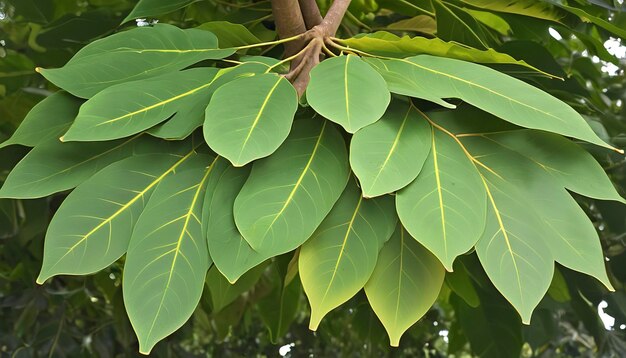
(188, 152)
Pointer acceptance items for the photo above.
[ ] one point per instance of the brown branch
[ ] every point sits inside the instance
(311, 13)
(333, 17)
(289, 23)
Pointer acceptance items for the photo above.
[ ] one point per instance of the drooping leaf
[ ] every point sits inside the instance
(40, 126)
(151, 8)
(230, 34)
(490, 20)
(585, 16)
(568, 163)
(566, 230)
(167, 259)
(347, 91)
(53, 166)
(386, 44)
(405, 284)
(444, 208)
(133, 55)
(460, 283)
(389, 154)
(181, 125)
(336, 262)
(94, 224)
(231, 253)
(223, 292)
(494, 92)
(125, 109)
(421, 23)
(250, 117)
(512, 249)
(289, 193)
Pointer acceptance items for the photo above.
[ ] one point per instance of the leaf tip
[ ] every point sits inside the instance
(38, 69)
(41, 279)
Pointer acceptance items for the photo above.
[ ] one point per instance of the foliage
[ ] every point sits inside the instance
(444, 169)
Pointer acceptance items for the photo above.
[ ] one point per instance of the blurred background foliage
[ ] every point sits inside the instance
(84, 316)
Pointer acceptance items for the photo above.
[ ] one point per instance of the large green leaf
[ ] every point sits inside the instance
(151, 8)
(386, 44)
(567, 162)
(347, 91)
(389, 154)
(494, 92)
(336, 262)
(94, 224)
(250, 117)
(512, 249)
(445, 207)
(53, 166)
(39, 126)
(405, 284)
(167, 259)
(180, 126)
(129, 108)
(567, 231)
(133, 55)
(232, 255)
(289, 193)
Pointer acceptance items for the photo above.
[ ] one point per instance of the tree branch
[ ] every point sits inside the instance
(333, 17)
(311, 13)
(289, 23)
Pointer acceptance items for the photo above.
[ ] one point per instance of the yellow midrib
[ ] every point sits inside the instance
(346, 92)
(177, 250)
(391, 150)
(258, 116)
(479, 86)
(159, 104)
(124, 207)
(298, 183)
(440, 194)
(343, 247)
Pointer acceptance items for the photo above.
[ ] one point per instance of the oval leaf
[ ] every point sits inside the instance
(492, 91)
(389, 154)
(133, 55)
(152, 8)
(232, 255)
(445, 207)
(167, 260)
(53, 166)
(347, 91)
(250, 117)
(288, 194)
(94, 224)
(405, 284)
(39, 126)
(129, 108)
(336, 262)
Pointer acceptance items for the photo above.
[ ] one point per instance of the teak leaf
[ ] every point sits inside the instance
(492, 91)
(389, 154)
(336, 262)
(250, 117)
(94, 224)
(232, 255)
(405, 284)
(288, 194)
(129, 108)
(167, 259)
(133, 55)
(347, 91)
